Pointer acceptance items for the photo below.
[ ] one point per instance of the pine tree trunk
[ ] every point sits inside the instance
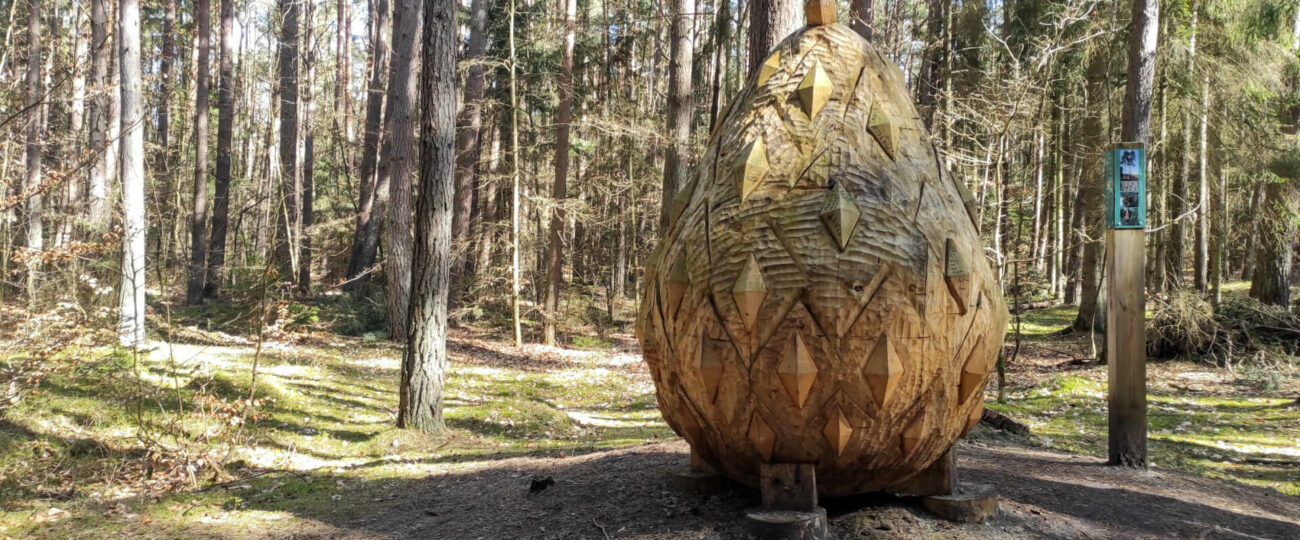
(307, 165)
(1178, 230)
(131, 327)
(71, 209)
(1252, 239)
(559, 190)
(168, 213)
(770, 21)
(198, 219)
(32, 193)
(863, 13)
(469, 125)
(287, 212)
(1090, 200)
(397, 163)
(374, 196)
(1203, 199)
(342, 80)
(680, 106)
(932, 61)
(1271, 281)
(424, 365)
(516, 185)
(225, 127)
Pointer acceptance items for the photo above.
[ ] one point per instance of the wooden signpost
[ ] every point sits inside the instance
(1126, 310)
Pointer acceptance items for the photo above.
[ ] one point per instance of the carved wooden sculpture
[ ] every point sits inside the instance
(821, 295)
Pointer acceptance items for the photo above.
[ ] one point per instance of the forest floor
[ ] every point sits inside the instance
(164, 444)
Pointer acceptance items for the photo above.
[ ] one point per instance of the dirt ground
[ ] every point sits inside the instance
(628, 493)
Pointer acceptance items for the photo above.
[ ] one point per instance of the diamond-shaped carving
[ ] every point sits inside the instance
(820, 12)
(797, 370)
(749, 291)
(956, 274)
(973, 373)
(838, 431)
(884, 370)
(840, 215)
(912, 434)
(976, 413)
(690, 425)
(678, 280)
(753, 168)
(762, 437)
(883, 129)
(710, 364)
(769, 67)
(814, 90)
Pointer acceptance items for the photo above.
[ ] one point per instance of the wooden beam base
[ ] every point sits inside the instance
(969, 503)
(786, 524)
(701, 478)
(940, 478)
(700, 483)
(789, 508)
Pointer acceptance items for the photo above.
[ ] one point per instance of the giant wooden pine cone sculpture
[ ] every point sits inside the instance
(821, 295)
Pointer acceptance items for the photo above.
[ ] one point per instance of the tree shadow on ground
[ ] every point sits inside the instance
(629, 493)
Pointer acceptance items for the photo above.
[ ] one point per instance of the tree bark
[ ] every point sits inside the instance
(931, 66)
(1271, 279)
(424, 365)
(287, 212)
(225, 127)
(162, 158)
(199, 216)
(1090, 197)
(306, 185)
(516, 185)
(131, 324)
(398, 154)
(373, 195)
(1177, 251)
(34, 199)
(559, 190)
(680, 106)
(469, 125)
(770, 21)
(863, 13)
(1202, 257)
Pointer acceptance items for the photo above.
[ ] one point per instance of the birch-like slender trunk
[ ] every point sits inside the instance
(131, 326)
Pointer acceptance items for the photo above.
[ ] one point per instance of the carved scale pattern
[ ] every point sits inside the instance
(821, 294)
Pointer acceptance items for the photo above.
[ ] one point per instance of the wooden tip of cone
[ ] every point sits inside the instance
(820, 12)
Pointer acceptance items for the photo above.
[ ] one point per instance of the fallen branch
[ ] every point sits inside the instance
(1000, 421)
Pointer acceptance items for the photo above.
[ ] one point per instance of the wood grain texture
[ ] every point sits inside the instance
(821, 295)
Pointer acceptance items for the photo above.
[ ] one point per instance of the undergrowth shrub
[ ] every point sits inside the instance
(1241, 331)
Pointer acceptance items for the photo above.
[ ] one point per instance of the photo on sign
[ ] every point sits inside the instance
(1130, 186)
(1128, 217)
(1130, 200)
(1128, 169)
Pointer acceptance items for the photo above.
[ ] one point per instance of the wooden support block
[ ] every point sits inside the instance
(767, 524)
(788, 486)
(970, 503)
(701, 479)
(938, 479)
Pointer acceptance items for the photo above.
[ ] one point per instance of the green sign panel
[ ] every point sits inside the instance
(1126, 186)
